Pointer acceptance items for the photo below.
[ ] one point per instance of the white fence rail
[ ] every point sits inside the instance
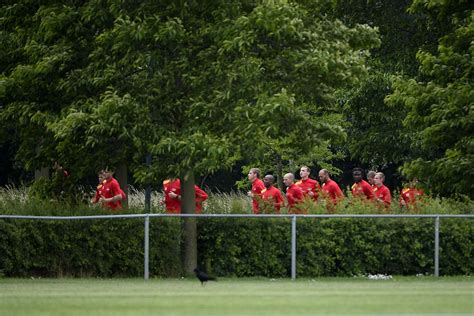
(293, 217)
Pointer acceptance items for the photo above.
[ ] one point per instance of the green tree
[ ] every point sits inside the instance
(51, 103)
(440, 103)
(197, 84)
(376, 135)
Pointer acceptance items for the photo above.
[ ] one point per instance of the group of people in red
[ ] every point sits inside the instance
(109, 194)
(268, 199)
(374, 189)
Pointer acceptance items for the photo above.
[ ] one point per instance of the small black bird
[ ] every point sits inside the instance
(203, 277)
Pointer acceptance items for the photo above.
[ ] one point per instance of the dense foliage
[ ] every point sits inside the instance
(440, 104)
(194, 83)
(423, 69)
(201, 85)
(235, 247)
(240, 247)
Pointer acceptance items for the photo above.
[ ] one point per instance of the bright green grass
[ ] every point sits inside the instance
(338, 296)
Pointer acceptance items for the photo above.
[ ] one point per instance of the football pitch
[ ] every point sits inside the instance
(320, 296)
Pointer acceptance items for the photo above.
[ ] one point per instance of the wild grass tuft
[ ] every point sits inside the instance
(20, 200)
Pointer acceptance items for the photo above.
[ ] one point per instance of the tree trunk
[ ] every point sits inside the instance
(188, 205)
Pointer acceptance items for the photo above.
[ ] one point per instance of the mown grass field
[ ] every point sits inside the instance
(325, 296)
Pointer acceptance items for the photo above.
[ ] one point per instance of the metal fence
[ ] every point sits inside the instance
(293, 217)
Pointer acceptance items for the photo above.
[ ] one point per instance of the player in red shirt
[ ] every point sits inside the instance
(98, 190)
(382, 193)
(361, 189)
(309, 186)
(112, 194)
(172, 196)
(200, 196)
(330, 190)
(370, 178)
(410, 196)
(272, 198)
(257, 188)
(294, 195)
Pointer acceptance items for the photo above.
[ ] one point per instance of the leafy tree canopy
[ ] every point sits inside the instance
(199, 84)
(440, 103)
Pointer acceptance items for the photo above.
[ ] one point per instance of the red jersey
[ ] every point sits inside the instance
(294, 195)
(201, 196)
(98, 192)
(383, 194)
(410, 196)
(257, 188)
(111, 188)
(172, 205)
(309, 185)
(332, 190)
(363, 189)
(272, 199)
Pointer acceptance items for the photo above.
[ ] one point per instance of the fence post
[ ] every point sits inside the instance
(436, 254)
(293, 248)
(147, 247)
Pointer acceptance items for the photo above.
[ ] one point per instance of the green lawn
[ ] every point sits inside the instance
(326, 296)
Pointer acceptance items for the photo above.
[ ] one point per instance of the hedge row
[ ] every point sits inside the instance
(235, 247)
(102, 248)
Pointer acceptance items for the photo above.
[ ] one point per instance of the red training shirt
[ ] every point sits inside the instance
(410, 195)
(172, 205)
(332, 190)
(363, 189)
(98, 192)
(309, 185)
(257, 188)
(200, 196)
(111, 188)
(382, 193)
(272, 198)
(294, 195)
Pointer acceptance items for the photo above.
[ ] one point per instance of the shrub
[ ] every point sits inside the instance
(333, 247)
(231, 246)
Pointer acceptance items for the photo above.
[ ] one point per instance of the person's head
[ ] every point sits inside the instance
(357, 174)
(379, 179)
(323, 175)
(108, 173)
(101, 176)
(305, 172)
(254, 174)
(288, 179)
(413, 183)
(370, 177)
(268, 181)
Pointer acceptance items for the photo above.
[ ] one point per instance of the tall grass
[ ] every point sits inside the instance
(19, 200)
(228, 203)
